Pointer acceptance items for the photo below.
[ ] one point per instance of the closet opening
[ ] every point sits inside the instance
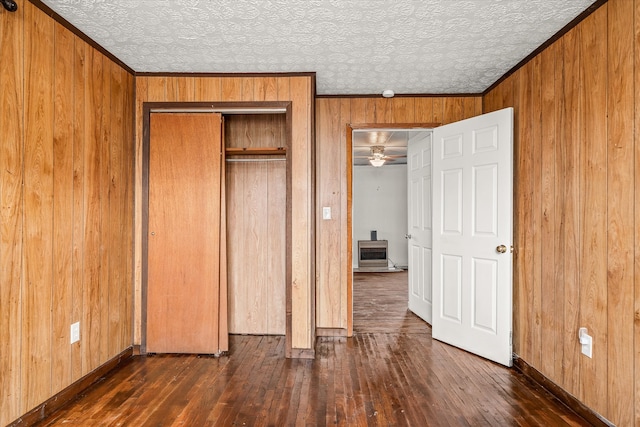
(254, 216)
(256, 202)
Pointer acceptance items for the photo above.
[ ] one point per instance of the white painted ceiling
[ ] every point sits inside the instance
(355, 47)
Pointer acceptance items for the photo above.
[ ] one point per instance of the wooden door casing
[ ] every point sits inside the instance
(184, 233)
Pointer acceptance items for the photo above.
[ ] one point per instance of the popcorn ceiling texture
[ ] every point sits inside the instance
(355, 47)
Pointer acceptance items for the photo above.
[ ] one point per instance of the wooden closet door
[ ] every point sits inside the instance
(183, 285)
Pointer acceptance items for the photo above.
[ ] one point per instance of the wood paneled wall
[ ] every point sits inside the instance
(332, 117)
(299, 90)
(66, 206)
(577, 163)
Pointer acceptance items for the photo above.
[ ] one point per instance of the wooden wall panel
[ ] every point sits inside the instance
(54, 116)
(620, 213)
(637, 211)
(345, 171)
(302, 215)
(232, 89)
(11, 212)
(577, 257)
(127, 210)
(298, 90)
(114, 202)
(38, 206)
(536, 204)
(104, 153)
(549, 321)
(90, 322)
(237, 294)
(593, 206)
(62, 208)
(209, 88)
(80, 76)
(571, 145)
(277, 247)
(560, 212)
(424, 110)
(403, 110)
(522, 206)
(329, 127)
(332, 117)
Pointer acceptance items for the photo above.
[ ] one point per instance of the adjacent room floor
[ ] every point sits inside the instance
(390, 373)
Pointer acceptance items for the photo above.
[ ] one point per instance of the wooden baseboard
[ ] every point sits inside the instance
(561, 394)
(331, 332)
(66, 395)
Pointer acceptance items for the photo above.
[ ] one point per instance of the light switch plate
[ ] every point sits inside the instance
(326, 212)
(75, 332)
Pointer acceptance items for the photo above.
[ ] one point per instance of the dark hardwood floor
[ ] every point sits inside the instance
(391, 373)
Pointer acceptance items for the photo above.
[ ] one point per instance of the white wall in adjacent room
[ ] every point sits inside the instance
(380, 203)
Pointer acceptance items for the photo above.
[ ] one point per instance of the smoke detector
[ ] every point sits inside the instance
(388, 93)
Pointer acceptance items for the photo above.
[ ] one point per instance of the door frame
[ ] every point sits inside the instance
(226, 108)
(349, 168)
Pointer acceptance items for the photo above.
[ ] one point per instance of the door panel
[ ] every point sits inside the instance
(485, 286)
(451, 284)
(183, 285)
(472, 217)
(419, 233)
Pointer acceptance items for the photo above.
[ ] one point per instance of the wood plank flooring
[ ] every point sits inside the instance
(391, 373)
(380, 304)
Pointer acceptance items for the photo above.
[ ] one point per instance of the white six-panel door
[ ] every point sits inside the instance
(472, 234)
(419, 221)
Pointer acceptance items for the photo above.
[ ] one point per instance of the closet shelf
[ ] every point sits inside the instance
(252, 151)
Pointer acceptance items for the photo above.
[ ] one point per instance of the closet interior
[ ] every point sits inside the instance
(256, 212)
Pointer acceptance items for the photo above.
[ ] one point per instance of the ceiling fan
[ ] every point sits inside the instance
(377, 157)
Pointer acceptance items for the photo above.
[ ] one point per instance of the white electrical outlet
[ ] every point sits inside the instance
(75, 332)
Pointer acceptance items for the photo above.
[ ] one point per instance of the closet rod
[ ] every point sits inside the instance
(254, 160)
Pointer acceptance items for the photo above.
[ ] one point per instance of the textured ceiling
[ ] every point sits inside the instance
(355, 47)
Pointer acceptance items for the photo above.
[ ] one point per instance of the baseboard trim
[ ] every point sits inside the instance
(561, 394)
(331, 332)
(66, 395)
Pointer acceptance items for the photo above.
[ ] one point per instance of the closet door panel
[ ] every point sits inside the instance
(183, 285)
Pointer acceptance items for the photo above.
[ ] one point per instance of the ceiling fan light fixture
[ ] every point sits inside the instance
(377, 156)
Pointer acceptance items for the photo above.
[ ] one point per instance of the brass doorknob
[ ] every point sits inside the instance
(501, 249)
